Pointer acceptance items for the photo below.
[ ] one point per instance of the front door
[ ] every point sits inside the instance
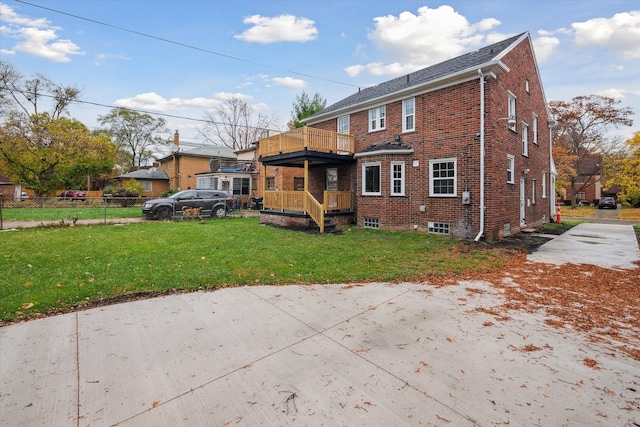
(523, 221)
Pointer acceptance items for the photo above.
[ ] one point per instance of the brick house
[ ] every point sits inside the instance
(459, 148)
(154, 181)
(588, 182)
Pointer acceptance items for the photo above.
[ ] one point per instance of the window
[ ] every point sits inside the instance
(377, 118)
(397, 178)
(512, 110)
(438, 227)
(371, 223)
(511, 167)
(343, 125)
(534, 129)
(525, 139)
(207, 183)
(332, 179)
(534, 183)
(271, 183)
(526, 85)
(371, 179)
(544, 185)
(408, 115)
(241, 186)
(442, 179)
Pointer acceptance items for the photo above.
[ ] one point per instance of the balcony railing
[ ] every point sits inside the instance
(307, 138)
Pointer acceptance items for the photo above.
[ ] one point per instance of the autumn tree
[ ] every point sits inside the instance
(305, 107)
(138, 137)
(582, 131)
(21, 97)
(236, 125)
(47, 154)
(623, 170)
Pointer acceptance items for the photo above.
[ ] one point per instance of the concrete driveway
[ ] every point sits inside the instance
(378, 354)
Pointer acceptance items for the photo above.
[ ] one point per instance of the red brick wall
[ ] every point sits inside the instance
(448, 126)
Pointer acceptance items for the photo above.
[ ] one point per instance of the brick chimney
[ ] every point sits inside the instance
(176, 138)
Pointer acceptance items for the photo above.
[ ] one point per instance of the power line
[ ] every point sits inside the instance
(139, 33)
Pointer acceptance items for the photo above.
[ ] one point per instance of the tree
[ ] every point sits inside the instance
(623, 170)
(22, 98)
(47, 154)
(581, 132)
(136, 136)
(234, 124)
(305, 107)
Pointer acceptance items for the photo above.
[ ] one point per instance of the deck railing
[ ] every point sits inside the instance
(337, 200)
(310, 138)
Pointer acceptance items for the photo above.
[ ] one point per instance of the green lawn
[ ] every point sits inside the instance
(45, 270)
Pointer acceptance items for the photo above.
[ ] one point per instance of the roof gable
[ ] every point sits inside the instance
(430, 75)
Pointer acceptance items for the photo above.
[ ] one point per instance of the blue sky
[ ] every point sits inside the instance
(182, 58)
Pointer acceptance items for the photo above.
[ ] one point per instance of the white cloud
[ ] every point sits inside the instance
(621, 33)
(151, 101)
(545, 47)
(278, 29)
(410, 42)
(289, 82)
(36, 37)
(612, 93)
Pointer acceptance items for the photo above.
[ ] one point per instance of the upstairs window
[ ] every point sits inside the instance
(512, 111)
(525, 139)
(442, 178)
(377, 118)
(343, 125)
(397, 178)
(371, 179)
(534, 129)
(408, 115)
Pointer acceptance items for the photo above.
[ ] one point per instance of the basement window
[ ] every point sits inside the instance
(439, 227)
(371, 223)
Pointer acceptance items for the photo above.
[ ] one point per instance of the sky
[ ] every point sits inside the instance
(179, 59)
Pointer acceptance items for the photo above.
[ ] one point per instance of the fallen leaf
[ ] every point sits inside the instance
(26, 305)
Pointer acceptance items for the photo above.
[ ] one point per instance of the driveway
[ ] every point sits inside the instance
(415, 354)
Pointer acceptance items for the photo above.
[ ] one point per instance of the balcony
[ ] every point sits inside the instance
(307, 139)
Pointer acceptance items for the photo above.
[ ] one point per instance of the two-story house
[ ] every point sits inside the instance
(460, 148)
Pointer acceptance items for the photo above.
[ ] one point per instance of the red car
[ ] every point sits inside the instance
(72, 195)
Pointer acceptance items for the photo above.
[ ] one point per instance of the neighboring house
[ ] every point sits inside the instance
(183, 165)
(155, 181)
(459, 148)
(9, 190)
(588, 184)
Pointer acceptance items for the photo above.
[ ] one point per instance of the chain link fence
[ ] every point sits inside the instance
(52, 211)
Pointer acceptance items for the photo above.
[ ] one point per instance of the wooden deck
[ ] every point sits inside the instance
(307, 138)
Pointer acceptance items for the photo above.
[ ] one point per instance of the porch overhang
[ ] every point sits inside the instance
(315, 159)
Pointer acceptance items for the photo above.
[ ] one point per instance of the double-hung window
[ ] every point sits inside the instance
(371, 179)
(442, 177)
(525, 139)
(397, 178)
(343, 125)
(511, 168)
(534, 129)
(544, 185)
(408, 115)
(534, 184)
(512, 111)
(377, 117)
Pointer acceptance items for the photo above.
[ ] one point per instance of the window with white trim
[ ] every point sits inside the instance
(377, 118)
(442, 177)
(525, 139)
(343, 124)
(512, 111)
(534, 184)
(397, 178)
(371, 179)
(534, 129)
(544, 185)
(511, 168)
(408, 115)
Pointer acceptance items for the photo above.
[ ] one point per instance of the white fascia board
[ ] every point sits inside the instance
(382, 153)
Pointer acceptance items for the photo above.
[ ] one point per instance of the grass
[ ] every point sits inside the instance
(47, 270)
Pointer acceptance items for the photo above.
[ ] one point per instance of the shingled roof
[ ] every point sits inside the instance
(469, 61)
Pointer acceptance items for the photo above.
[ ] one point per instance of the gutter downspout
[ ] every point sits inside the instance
(481, 232)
